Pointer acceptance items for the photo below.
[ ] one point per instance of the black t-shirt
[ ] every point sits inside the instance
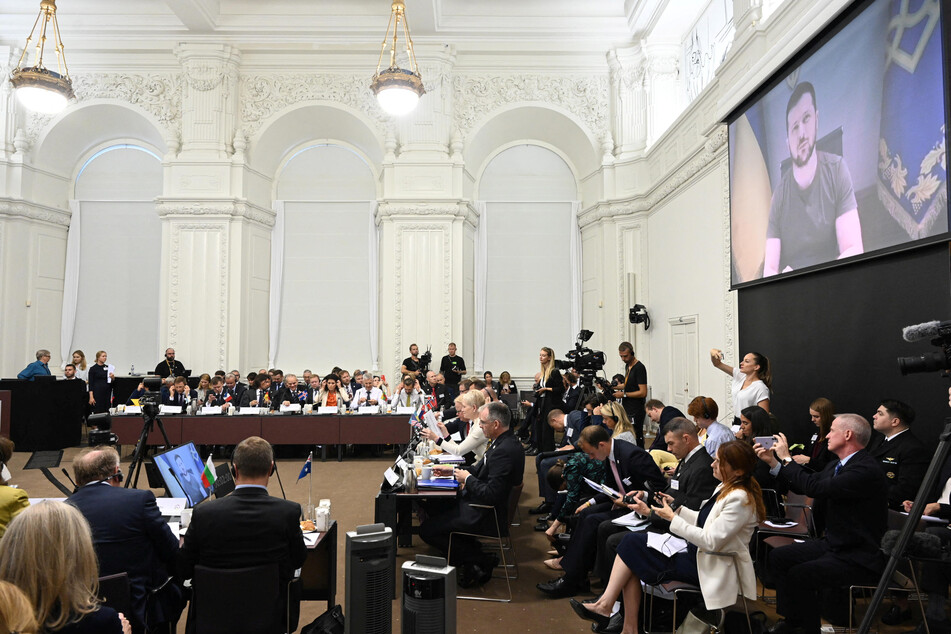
(410, 365)
(167, 368)
(448, 367)
(635, 379)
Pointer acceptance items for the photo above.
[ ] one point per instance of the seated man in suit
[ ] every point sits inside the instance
(130, 536)
(855, 489)
(291, 394)
(249, 527)
(410, 394)
(899, 453)
(234, 388)
(258, 395)
(367, 395)
(178, 395)
(572, 391)
(661, 414)
(690, 485)
(627, 467)
(488, 482)
(219, 396)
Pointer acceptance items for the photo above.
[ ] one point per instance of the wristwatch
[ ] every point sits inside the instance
(786, 461)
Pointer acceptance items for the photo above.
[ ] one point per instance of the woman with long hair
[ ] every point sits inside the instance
(615, 419)
(79, 361)
(754, 422)
(506, 384)
(817, 456)
(47, 553)
(550, 392)
(16, 613)
(752, 380)
(724, 524)
(100, 384)
(204, 387)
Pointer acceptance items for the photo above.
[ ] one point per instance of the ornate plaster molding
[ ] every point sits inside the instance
(585, 96)
(710, 152)
(175, 281)
(230, 208)
(460, 209)
(446, 292)
(12, 208)
(263, 94)
(729, 298)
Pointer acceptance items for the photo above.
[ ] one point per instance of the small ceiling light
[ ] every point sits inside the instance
(398, 90)
(37, 87)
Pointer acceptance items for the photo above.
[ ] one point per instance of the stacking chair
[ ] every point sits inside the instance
(114, 592)
(503, 542)
(237, 601)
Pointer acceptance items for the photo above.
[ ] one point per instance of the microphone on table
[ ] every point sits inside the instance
(926, 330)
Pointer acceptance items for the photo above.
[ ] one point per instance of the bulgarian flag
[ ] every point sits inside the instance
(208, 475)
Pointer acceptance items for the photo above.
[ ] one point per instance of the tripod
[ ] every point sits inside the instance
(937, 461)
(141, 447)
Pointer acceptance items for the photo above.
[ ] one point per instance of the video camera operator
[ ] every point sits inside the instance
(633, 391)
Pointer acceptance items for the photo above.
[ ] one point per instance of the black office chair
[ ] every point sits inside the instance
(114, 593)
(237, 601)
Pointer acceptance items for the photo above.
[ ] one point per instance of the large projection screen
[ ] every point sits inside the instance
(841, 154)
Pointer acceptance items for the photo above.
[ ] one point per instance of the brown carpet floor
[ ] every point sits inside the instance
(352, 486)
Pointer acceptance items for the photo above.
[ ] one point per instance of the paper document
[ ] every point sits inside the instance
(666, 544)
(430, 419)
(632, 520)
(110, 370)
(391, 477)
(601, 488)
(930, 518)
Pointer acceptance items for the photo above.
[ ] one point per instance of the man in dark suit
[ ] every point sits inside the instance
(234, 388)
(855, 489)
(661, 415)
(219, 396)
(179, 395)
(570, 425)
(130, 536)
(249, 527)
(691, 483)
(436, 390)
(291, 394)
(488, 482)
(899, 453)
(259, 395)
(627, 467)
(572, 392)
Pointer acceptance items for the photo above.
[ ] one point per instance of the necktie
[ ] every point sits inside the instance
(617, 476)
(407, 399)
(838, 467)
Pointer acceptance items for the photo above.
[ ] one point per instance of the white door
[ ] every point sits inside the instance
(684, 361)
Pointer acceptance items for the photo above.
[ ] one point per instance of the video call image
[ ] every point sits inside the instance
(181, 468)
(846, 155)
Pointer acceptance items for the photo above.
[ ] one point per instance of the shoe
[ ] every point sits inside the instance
(542, 509)
(551, 553)
(531, 452)
(562, 588)
(894, 615)
(541, 525)
(554, 564)
(614, 626)
(587, 614)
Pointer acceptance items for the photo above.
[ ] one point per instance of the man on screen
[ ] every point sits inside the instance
(813, 217)
(189, 482)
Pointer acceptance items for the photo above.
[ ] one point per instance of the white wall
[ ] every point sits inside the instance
(120, 260)
(529, 291)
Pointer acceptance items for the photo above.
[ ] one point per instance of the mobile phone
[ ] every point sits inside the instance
(766, 442)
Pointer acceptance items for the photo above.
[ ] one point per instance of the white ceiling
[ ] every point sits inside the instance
(292, 24)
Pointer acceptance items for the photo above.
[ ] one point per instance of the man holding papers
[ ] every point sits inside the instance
(489, 482)
(628, 467)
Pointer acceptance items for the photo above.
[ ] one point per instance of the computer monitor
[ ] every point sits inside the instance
(181, 469)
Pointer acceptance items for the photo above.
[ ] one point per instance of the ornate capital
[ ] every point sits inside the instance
(12, 208)
(175, 208)
(460, 209)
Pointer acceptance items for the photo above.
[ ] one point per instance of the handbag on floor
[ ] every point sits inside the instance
(330, 622)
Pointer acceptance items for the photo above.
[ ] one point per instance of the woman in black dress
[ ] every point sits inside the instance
(550, 393)
(100, 384)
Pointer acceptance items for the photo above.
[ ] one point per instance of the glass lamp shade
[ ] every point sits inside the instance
(397, 90)
(42, 90)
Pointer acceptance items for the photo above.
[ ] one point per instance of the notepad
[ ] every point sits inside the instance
(437, 484)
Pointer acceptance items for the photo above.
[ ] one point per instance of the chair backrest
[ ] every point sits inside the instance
(237, 601)
(224, 483)
(114, 592)
(799, 510)
(511, 400)
(514, 495)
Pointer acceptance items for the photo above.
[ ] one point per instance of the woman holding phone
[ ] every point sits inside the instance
(751, 380)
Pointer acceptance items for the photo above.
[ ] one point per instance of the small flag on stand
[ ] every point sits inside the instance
(305, 470)
(208, 475)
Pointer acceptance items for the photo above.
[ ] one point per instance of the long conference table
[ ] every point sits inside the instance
(277, 429)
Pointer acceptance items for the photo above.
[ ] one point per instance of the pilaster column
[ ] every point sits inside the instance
(8, 58)
(746, 15)
(209, 95)
(426, 130)
(628, 100)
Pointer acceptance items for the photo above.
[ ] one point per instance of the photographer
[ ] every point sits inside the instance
(634, 389)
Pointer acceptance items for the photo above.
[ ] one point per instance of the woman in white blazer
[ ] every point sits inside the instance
(724, 524)
(475, 441)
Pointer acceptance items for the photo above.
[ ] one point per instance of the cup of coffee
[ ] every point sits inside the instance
(186, 518)
(427, 473)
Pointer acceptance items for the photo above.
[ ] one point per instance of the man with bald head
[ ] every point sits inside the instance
(169, 366)
(130, 535)
(855, 491)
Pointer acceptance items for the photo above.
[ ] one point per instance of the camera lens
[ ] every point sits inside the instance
(923, 363)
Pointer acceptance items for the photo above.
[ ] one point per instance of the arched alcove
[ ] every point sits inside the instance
(528, 191)
(120, 255)
(327, 191)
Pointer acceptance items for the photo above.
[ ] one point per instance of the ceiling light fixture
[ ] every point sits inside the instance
(37, 87)
(398, 90)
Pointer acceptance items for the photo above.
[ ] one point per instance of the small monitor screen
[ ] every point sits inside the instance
(841, 154)
(181, 469)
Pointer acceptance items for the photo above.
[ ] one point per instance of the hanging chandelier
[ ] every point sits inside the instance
(37, 87)
(398, 90)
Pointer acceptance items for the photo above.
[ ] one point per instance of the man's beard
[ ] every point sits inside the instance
(802, 162)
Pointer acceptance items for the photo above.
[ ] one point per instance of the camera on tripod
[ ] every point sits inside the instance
(940, 334)
(425, 359)
(586, 361)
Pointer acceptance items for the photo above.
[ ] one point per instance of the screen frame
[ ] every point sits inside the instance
(812, 46)
(171, 483)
